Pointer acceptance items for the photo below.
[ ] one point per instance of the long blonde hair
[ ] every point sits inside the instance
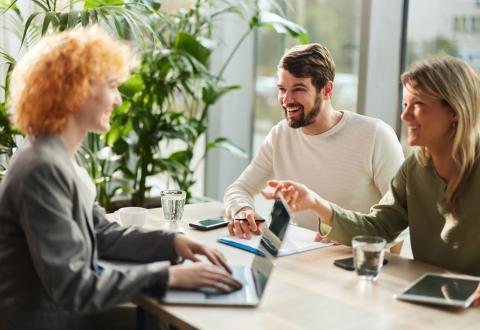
(456, 84)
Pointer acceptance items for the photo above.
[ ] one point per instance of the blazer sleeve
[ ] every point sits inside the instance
(131, 243)
(62, 255)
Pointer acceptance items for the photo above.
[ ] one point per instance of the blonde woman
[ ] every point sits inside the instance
(51, 232)
(436, 190)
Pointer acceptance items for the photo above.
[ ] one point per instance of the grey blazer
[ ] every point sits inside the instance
(51, 239)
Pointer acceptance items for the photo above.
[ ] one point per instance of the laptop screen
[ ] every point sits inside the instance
(270, 244)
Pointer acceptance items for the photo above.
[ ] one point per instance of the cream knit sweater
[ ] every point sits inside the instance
(351, 164)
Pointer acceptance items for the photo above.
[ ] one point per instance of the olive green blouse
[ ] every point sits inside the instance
(417, 200)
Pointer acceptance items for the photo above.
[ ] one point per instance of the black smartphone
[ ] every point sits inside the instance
(209, 224)
(347, 263)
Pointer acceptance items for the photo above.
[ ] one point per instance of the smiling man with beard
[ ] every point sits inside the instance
(346, 157)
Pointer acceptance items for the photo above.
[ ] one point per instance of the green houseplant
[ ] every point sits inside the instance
(122, 17)
(167, 98)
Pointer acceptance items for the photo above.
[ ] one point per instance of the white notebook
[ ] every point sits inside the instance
(297, 240)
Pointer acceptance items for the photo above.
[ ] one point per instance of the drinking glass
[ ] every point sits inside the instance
(368, 254)
(173, 202)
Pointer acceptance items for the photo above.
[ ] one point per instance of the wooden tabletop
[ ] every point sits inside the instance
(306, 291)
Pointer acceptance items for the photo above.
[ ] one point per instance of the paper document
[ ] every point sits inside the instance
(297, 239)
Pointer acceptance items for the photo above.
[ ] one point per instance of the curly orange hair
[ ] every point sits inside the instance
(53, 79)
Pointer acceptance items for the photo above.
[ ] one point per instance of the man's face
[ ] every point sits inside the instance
(298, 98)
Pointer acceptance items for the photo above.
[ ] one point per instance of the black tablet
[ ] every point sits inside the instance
(442, 289)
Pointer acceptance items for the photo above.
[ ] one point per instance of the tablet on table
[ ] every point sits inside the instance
(443, 289)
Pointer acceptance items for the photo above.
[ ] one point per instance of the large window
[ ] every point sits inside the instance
(333, 23)
(450, 27)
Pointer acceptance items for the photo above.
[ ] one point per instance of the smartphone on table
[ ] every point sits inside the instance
(348, 263)
(209, 224)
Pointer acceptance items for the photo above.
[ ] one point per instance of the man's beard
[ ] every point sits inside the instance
(304, 120)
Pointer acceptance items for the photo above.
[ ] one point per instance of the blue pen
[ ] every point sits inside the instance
(242, 246)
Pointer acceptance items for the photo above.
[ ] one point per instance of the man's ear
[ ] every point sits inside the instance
(328, 89)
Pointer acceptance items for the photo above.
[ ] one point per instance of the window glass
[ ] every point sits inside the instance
(333, 23)
(450, 27)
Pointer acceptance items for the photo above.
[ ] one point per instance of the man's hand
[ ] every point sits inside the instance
(244, 229)
(188, 248)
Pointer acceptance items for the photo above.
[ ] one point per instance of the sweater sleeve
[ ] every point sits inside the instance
(242, 192)
(387, 156)
(61, 255)
(386, 219)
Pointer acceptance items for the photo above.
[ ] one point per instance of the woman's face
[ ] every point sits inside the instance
(429, 120)
(94, 114)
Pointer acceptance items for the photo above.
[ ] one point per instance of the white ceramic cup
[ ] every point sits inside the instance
(132, 216)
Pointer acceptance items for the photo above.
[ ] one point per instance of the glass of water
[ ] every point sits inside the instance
(173, 202)
(368, 254)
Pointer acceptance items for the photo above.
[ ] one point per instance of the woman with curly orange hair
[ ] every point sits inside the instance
(51, 231)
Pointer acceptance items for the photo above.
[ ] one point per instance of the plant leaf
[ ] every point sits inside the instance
(282, 25)
(211, 93)
(101, 3)
(27, 26)
(73, 19)
(228, 145)
(85, 17)
(187, 43)
(49, 17)
(132, 86)
(8, 6)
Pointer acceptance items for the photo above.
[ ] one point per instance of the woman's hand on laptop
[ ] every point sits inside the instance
(246, 226)
(201, 274)
(188, 249)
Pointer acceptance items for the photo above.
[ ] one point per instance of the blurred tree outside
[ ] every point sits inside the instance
(439, 45)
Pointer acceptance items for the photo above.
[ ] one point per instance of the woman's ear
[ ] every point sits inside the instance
(454, 116)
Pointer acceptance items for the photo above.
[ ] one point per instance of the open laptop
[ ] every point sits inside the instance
(253, 278)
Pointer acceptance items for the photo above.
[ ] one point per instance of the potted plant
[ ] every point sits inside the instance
(167, 98)
(124, 18)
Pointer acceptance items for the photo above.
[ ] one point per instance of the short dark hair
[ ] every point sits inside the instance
(309, 61)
